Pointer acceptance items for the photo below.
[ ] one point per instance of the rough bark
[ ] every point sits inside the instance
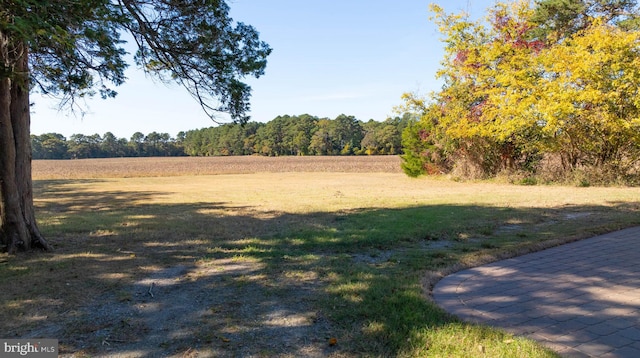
(18, 228)
(21, 123)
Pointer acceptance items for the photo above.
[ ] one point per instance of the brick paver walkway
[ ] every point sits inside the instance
(581, 299)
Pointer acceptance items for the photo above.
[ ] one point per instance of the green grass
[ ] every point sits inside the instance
(374, 243)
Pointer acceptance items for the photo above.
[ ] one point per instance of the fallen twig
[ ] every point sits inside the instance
(151, 288)
(105, 342)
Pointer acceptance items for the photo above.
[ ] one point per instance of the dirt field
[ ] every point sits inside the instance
(178, 166)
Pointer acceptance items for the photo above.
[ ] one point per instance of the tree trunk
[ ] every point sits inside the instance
(18, 228)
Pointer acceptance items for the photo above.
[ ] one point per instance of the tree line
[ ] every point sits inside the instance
(80, 146)
(284, 135)
(300, 135)
(547, 89)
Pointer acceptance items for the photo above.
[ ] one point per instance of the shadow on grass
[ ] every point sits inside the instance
(133, 277)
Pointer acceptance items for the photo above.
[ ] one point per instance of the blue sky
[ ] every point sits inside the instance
(355, 57)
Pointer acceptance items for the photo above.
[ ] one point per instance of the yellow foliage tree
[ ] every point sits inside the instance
(588, 100)
(490, 75)
(512, 97)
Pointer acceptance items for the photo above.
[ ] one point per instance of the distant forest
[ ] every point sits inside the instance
(284, 135)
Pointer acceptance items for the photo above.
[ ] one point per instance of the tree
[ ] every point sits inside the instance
(347, 133)
(487, 100)
(559, 19)
(556, 80)
(370, 143)
(272, 139)
(304, 126)
(286, 135)
(112, 147)
(590, 106)
(136, 144)
(384, 137)
(73, 49)
(322, 141)
(153, 143)
(81, 146)
(49, 146)
(424, 145)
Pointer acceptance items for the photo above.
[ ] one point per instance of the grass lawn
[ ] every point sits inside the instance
(355, 252)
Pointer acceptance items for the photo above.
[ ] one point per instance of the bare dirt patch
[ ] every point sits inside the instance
(178, 166)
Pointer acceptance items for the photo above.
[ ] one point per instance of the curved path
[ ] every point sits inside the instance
(580, 299)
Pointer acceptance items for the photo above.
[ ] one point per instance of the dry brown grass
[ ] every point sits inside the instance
(180, 166)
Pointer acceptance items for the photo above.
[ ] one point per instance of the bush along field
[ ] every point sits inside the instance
(539, 91)
(288, 260)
